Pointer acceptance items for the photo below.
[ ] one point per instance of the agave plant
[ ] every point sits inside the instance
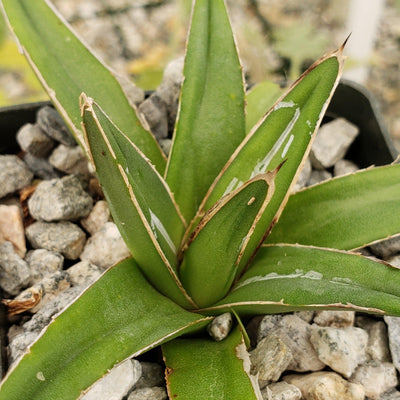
(198, 224)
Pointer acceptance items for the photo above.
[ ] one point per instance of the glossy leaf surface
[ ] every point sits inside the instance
(289, 278)
(210, 262)
(147, 219)
(284, 135)
(211, 121)
(118, 316)
(66, 68)
(344, 213)
(199, 369)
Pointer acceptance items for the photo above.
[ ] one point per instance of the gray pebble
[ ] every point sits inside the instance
(19, 344)
(336, 319)
(83, 273)
(70, 160)
(42, 263)
(41, 167)
(60, 200)
(14, 174)
(63, 237)
(318, 176)
(220, 327)
(53, 125)
(281, 391)
(304, 177)
(153, 393)
(155, 112)
(32, 140)
(332, 142)
(386, 248)
(152, 375)
(344, 167)
(106, 247)
(393, 324)
(14, 271)
(99, 215)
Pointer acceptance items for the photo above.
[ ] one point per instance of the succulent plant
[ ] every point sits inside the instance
(203, 226)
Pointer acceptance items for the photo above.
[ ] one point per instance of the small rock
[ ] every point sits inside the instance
(344, 167)
(270, 359)
(306, 316)
(220, 327)
(60, 200)
(14, 175)
(71, 160)
(281, 391)
(14, 271)
(378, 342)
(52, 124)
(12, 228)
(41, 167)
(341, 349)
(152, 375)
(393, 324)
(390, 395)
(99, 215)
(395, 261)
(166, 145)
(325, 386)
(43, 263)
(48, 288)
(63, 237)
(116, 384)
(106, 247)
(83, 273)
(151, 393)
(375, 377)
(336, 319)
(318, 176)
(32, 140)
(332, 142)
(19, 344)
(44, 316)
(155, 112)
(386, 248)
(304, 177)
(296, 334)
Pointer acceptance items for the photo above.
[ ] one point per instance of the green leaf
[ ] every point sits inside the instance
(287, 278)
(66, 68)
(259, 100)
(119, 316)
(148, 219)
(199, 369)
(345, 213)
(211, 121)
(217, 245)
(285, 134)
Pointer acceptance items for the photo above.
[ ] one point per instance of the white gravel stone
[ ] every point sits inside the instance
(63, 237)
(116, 384)
(14, 271)
(270, 359)
(318, 176)
(344, 167)
(83, 273)
(336, 319)
(375, 377)
(378, 342)
(304, 177)
(41, 167)
(14, 175)
(106, 247)
(12, 228)
(42, 263)
(70, 159)
(326, 386)
(151, 393)
(393, 324)
(332, 142)
(281, 391)
(99, 215)
(60, 200)
(19, 344)
(220, 327)
(32, 140)
(295, 332)
(341, 349)
(152, 375)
